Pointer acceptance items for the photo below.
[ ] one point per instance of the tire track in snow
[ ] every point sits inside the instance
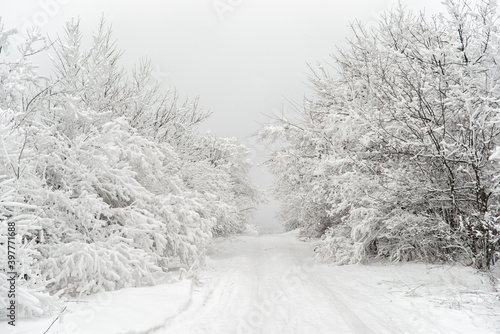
(266, 285)
(208, 303)
(358, 323)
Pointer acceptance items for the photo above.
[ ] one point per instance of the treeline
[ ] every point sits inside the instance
(396, 153)
(105, 175)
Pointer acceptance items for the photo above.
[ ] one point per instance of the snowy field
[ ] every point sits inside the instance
(269, 284)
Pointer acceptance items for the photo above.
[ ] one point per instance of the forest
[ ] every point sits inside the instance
(105, 180)
(396, 154)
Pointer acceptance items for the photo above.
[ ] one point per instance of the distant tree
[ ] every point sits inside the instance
(219, 166)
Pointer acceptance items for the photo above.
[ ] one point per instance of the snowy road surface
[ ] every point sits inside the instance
(269, 284)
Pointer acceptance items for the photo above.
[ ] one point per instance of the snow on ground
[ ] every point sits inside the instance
(133, 310)
(270, 284)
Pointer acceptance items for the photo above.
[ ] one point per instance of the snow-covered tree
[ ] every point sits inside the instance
(97, 174)
(218, 168)
(392, 152)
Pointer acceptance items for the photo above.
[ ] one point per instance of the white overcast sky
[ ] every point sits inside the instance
(243, 58)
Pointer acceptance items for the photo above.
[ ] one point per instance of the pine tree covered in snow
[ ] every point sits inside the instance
(97, 176)
(391, 155)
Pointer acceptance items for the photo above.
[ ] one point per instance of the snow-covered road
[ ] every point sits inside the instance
(269, 284)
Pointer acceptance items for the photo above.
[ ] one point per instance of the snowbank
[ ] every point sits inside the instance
(132, 310)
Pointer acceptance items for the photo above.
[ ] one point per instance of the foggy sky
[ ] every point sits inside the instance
(243, 58)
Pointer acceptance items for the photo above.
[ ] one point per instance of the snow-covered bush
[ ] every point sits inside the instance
(32, 299)
(338, 247)
(485, 232)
